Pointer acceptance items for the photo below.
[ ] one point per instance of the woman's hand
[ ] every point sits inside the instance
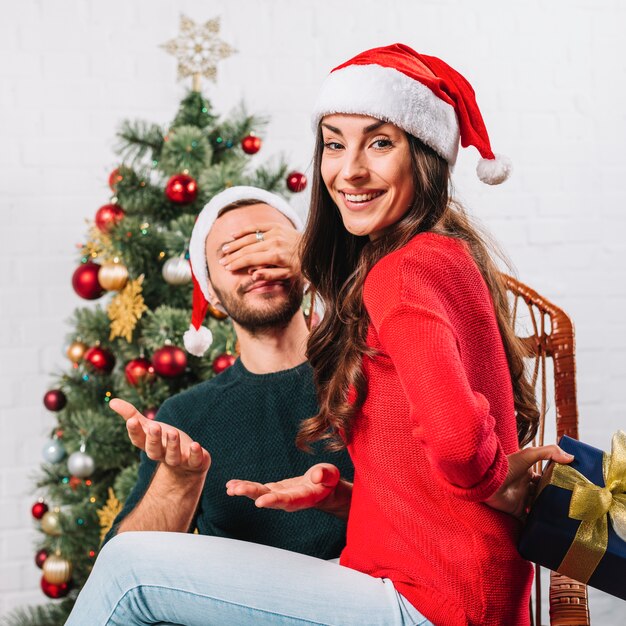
(320, 487)
(517, 490)
(162, 442)
(276, 255)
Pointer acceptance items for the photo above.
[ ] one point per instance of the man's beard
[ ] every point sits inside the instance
(274, 313)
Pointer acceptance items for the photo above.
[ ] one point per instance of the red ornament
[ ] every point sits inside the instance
(39, 510)
(169, 361)
(222, 362)
(85, 281)
(151, 413)
(181, 189)
(54, 400)
(75, 482)
(108, 216)
(139, 371)
(251, 144)
(114, 178)
(54, 591)
(296, 181)
(100, 360)
(41, 557)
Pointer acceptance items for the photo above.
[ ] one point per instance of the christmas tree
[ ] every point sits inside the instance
(130, 344)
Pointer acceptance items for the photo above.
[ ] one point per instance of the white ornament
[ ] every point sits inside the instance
(80, 465)
(177, 271)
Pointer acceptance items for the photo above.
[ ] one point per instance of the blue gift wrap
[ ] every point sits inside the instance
(549, 530)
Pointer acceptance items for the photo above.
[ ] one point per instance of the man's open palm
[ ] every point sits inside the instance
(162, 442)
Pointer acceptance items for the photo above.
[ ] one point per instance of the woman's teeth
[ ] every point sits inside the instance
(362, 197)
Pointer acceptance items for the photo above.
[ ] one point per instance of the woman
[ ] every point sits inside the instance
(418, 372)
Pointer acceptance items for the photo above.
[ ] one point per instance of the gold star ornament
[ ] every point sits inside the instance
(198, 49)
(108, 513)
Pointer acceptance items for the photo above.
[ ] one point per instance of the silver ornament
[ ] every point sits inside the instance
(177, 271)
(80, 465)
(53, 451)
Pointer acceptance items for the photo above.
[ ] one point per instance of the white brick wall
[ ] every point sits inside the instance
(550, 80)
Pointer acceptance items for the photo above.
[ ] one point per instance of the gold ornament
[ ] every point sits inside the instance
(198, 49)
(57, 570)
(51, 523)
(108, 513)
(113, 276)
(215, 312)
(76, 351)
(126, 309)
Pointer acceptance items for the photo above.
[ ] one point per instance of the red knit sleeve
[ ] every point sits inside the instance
(452, 422)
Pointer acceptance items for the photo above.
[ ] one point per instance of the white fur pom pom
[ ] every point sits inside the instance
(197, 342)
(494, 171)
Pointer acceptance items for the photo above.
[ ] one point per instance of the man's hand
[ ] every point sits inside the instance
(320, 487)
(278, 251)
(517, 490)
(162, 442)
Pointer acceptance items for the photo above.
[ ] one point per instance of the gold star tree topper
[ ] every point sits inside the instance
(198, 49)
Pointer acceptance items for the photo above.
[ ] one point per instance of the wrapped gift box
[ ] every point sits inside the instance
(550, 532)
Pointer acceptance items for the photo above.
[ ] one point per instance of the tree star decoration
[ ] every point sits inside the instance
(108, 513)
(126, 309)
(198, 49)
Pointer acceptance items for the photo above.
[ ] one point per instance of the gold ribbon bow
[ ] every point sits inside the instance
(594, 505)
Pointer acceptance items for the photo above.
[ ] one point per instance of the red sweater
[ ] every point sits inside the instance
(430, 442)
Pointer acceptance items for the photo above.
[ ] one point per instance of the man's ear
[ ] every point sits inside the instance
(212, 295)
(214, 300)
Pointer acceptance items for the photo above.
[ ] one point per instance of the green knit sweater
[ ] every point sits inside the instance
(248, 423)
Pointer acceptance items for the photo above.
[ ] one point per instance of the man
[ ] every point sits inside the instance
(244, 421)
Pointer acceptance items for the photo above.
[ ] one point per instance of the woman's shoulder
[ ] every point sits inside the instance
(425, 272)
(425, 253)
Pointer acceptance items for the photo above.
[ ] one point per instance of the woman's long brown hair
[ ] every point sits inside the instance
(337, 262)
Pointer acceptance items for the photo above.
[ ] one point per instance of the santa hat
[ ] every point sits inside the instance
(420, 94)
(198, 338)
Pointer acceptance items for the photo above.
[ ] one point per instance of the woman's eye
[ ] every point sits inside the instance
(332, 145)
(382, 143)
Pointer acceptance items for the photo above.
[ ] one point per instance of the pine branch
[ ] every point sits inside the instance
(125, 481)
(270, 176)
(186, 149)
(44, 615)
(139, 196)
(227, 135)
(91, 325)
(136, 139)
(195, 110)
(176, 238)
(222, 175)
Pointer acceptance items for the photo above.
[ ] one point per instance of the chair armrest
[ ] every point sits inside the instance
(568, 602)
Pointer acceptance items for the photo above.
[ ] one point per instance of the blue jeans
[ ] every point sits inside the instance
(190, 580)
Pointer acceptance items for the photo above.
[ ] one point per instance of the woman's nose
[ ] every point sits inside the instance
(354, 166)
